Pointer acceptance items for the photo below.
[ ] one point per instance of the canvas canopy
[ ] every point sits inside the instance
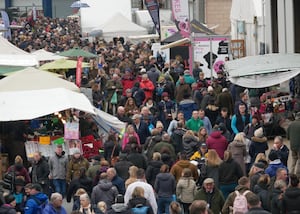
(43, 55)
(119, 25)
(263, 70)
(34, 79)
(27, 105)
(14, 56)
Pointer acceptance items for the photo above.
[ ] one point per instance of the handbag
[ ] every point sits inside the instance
(114, 98)
(113, 159)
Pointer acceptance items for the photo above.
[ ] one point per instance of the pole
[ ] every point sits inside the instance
(211, 58)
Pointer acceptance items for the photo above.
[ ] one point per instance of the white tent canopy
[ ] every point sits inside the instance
(263, 70)
(14, 56)
(119, 25)
(43, 55)
(27, 105)
(34, 79)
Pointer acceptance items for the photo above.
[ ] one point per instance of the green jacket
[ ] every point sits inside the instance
(194, 125)
(293, 134)
(215, 202)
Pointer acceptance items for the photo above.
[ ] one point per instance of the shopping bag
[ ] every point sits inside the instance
(114, 98)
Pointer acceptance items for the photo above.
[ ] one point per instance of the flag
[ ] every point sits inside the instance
(34, 13)
(5, 18)
(153, 8)
(180, 12)
(79, 71)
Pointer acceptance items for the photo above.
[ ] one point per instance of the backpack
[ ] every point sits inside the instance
(41, 205)
(140, 209)
(240, 204)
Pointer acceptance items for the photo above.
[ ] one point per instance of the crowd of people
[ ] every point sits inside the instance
(191, 145)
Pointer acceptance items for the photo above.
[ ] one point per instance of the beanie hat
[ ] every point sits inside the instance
(210, 88)
(259, 132)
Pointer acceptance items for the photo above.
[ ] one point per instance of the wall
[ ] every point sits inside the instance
(218, 13)
(21, 3)
(61, 9)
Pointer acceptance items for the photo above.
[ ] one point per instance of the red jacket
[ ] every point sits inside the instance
(217, 142)
(127, 82)
(148, 88)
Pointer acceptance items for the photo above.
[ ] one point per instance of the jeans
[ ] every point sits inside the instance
(226, 189)
(295, 169)
(60, 186)
(163, 204)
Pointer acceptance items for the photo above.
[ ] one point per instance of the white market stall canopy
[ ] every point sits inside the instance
(263, 70)
(27, 105)
(43, 55)
(14, 56)
(34, 79)
(119, 26)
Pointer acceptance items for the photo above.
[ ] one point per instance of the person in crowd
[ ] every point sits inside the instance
(153, 168)
(97, 96)
(83, 181)
(181, 88)
(116, 180)
(211, 111)
(147, 85)
(55, 205)
(186, 189)
(281, 150)
(58, 170)
(211, 194)
(94, 167)
(244, 98)
(238, 150)
(76, 198)
(19, 170)
(130, 132)
(291, 197)
(201, 153)
(217, 142)
(104, 191)
(277, 195)
(130, 107)
(240, 119)
(259, 144)
(175, 208)
(139, 199)
(209, 96)
(177, 135)
(40, 171)
(136, 157)
(199, 207)
(261, 189)
(195, 123)
(224, 118)
(122, 166)
(119, 206)
(256, 171)
(165, 107)
(132, 176)
(274, 164)
(173, 124)
(242, 189)
(9, 204)
(187, 106)
(76, 162)
(121, 115)
(141, 128)
(250, 128)
(202, 82)
(225, 100)
(86, 206)
(35, 199)
(206, 121)
(138, 94)
(190, 143)
(113, 85)
(229, 174)
(112, 147)
(164, 186)
(181, 164)
(148, 192)
(254, 204)
(19, 194)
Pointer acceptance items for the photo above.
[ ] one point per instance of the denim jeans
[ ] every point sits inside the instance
(60, 186)
(163, 204)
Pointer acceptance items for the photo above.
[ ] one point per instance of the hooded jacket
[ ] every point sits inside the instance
(186, 189)
(153, 170)
(58, 166)
(165, 185)
(290, 201)
(177, 168)
(239, 152)
(190, 144)
(218, 142)
(32, 205)
(6, 208)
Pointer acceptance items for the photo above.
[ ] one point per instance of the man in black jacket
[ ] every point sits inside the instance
(254, 204)
(40, 172)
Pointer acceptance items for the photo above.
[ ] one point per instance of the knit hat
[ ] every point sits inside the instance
(210, 88)
(208, 181)
(259, 132)
(9, 198)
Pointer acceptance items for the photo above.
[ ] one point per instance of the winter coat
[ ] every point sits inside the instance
(111, 87)
(187, 106)
(49, 209)
(119, 208)
(257, 210)
(238, 151)
(138, 201)
(58, 166)
(212, 112)
(226, 121)
(290, 201)
(143, 132)
(127, 83)
(224, 99)
(104, 191)
(138, 160)
(177, 168)
(164, 147)
(109, 148)
(262, 192)
(153, 170)
(73, 168)
(218, 142)
(273, 166)
(122, 167)
(176, 138)
(153, 75)
(293, 135)
(190, 144)
(165, 185)
(126, 137)
(186, 190)
(7, 209)
(119, 183)
(40, 171)
(229, 172)
(194, 125)
(139, 95)
(32, 205)
(180, 90)
(276, 203)
(258, 145)
(215, 200)
(85, 182)
(148, 88)
(20, 170)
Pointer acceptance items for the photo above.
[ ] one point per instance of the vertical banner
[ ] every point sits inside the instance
(5, 18)
(153, 8)
(180, 12)
(79, 71)
(34, 13)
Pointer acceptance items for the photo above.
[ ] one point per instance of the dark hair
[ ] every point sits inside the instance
(175, 208)
(82, 172)
(243, 181)
(252, 199)
(164, 168)
(140, 173)
(294, 180)
(225, 109)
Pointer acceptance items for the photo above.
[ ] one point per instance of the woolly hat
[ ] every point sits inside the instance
(210, 88)
(259, 132)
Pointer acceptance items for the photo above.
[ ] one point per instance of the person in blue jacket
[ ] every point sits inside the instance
(55, 205)
(36, 198)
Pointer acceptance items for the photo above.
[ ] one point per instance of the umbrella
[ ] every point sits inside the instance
(62, 64)
(76, 52)
(79, 4)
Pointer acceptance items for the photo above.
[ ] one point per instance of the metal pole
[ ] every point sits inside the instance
(211, 58)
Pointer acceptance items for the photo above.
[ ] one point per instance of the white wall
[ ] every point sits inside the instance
(20, 3)
(101, 11)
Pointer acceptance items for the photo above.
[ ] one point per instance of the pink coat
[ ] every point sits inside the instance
(217, 142)
(126, 139)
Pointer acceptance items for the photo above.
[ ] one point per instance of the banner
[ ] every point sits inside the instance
(153, 8)
(71, 130)
(5, 18)
(180, 11)
(34, 16)
(79, 71)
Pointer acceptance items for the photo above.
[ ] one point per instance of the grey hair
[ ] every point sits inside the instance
(279, 138)
(85, 196)
(279, 184)
(55, 196)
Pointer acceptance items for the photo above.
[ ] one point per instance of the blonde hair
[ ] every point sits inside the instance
(102, 206)
(240, 137)
(213, 158)
(80, 192)
(138, 192)
(132, 171)
(159, 124)
(260, 157)
(18, 159)
(156, 156)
